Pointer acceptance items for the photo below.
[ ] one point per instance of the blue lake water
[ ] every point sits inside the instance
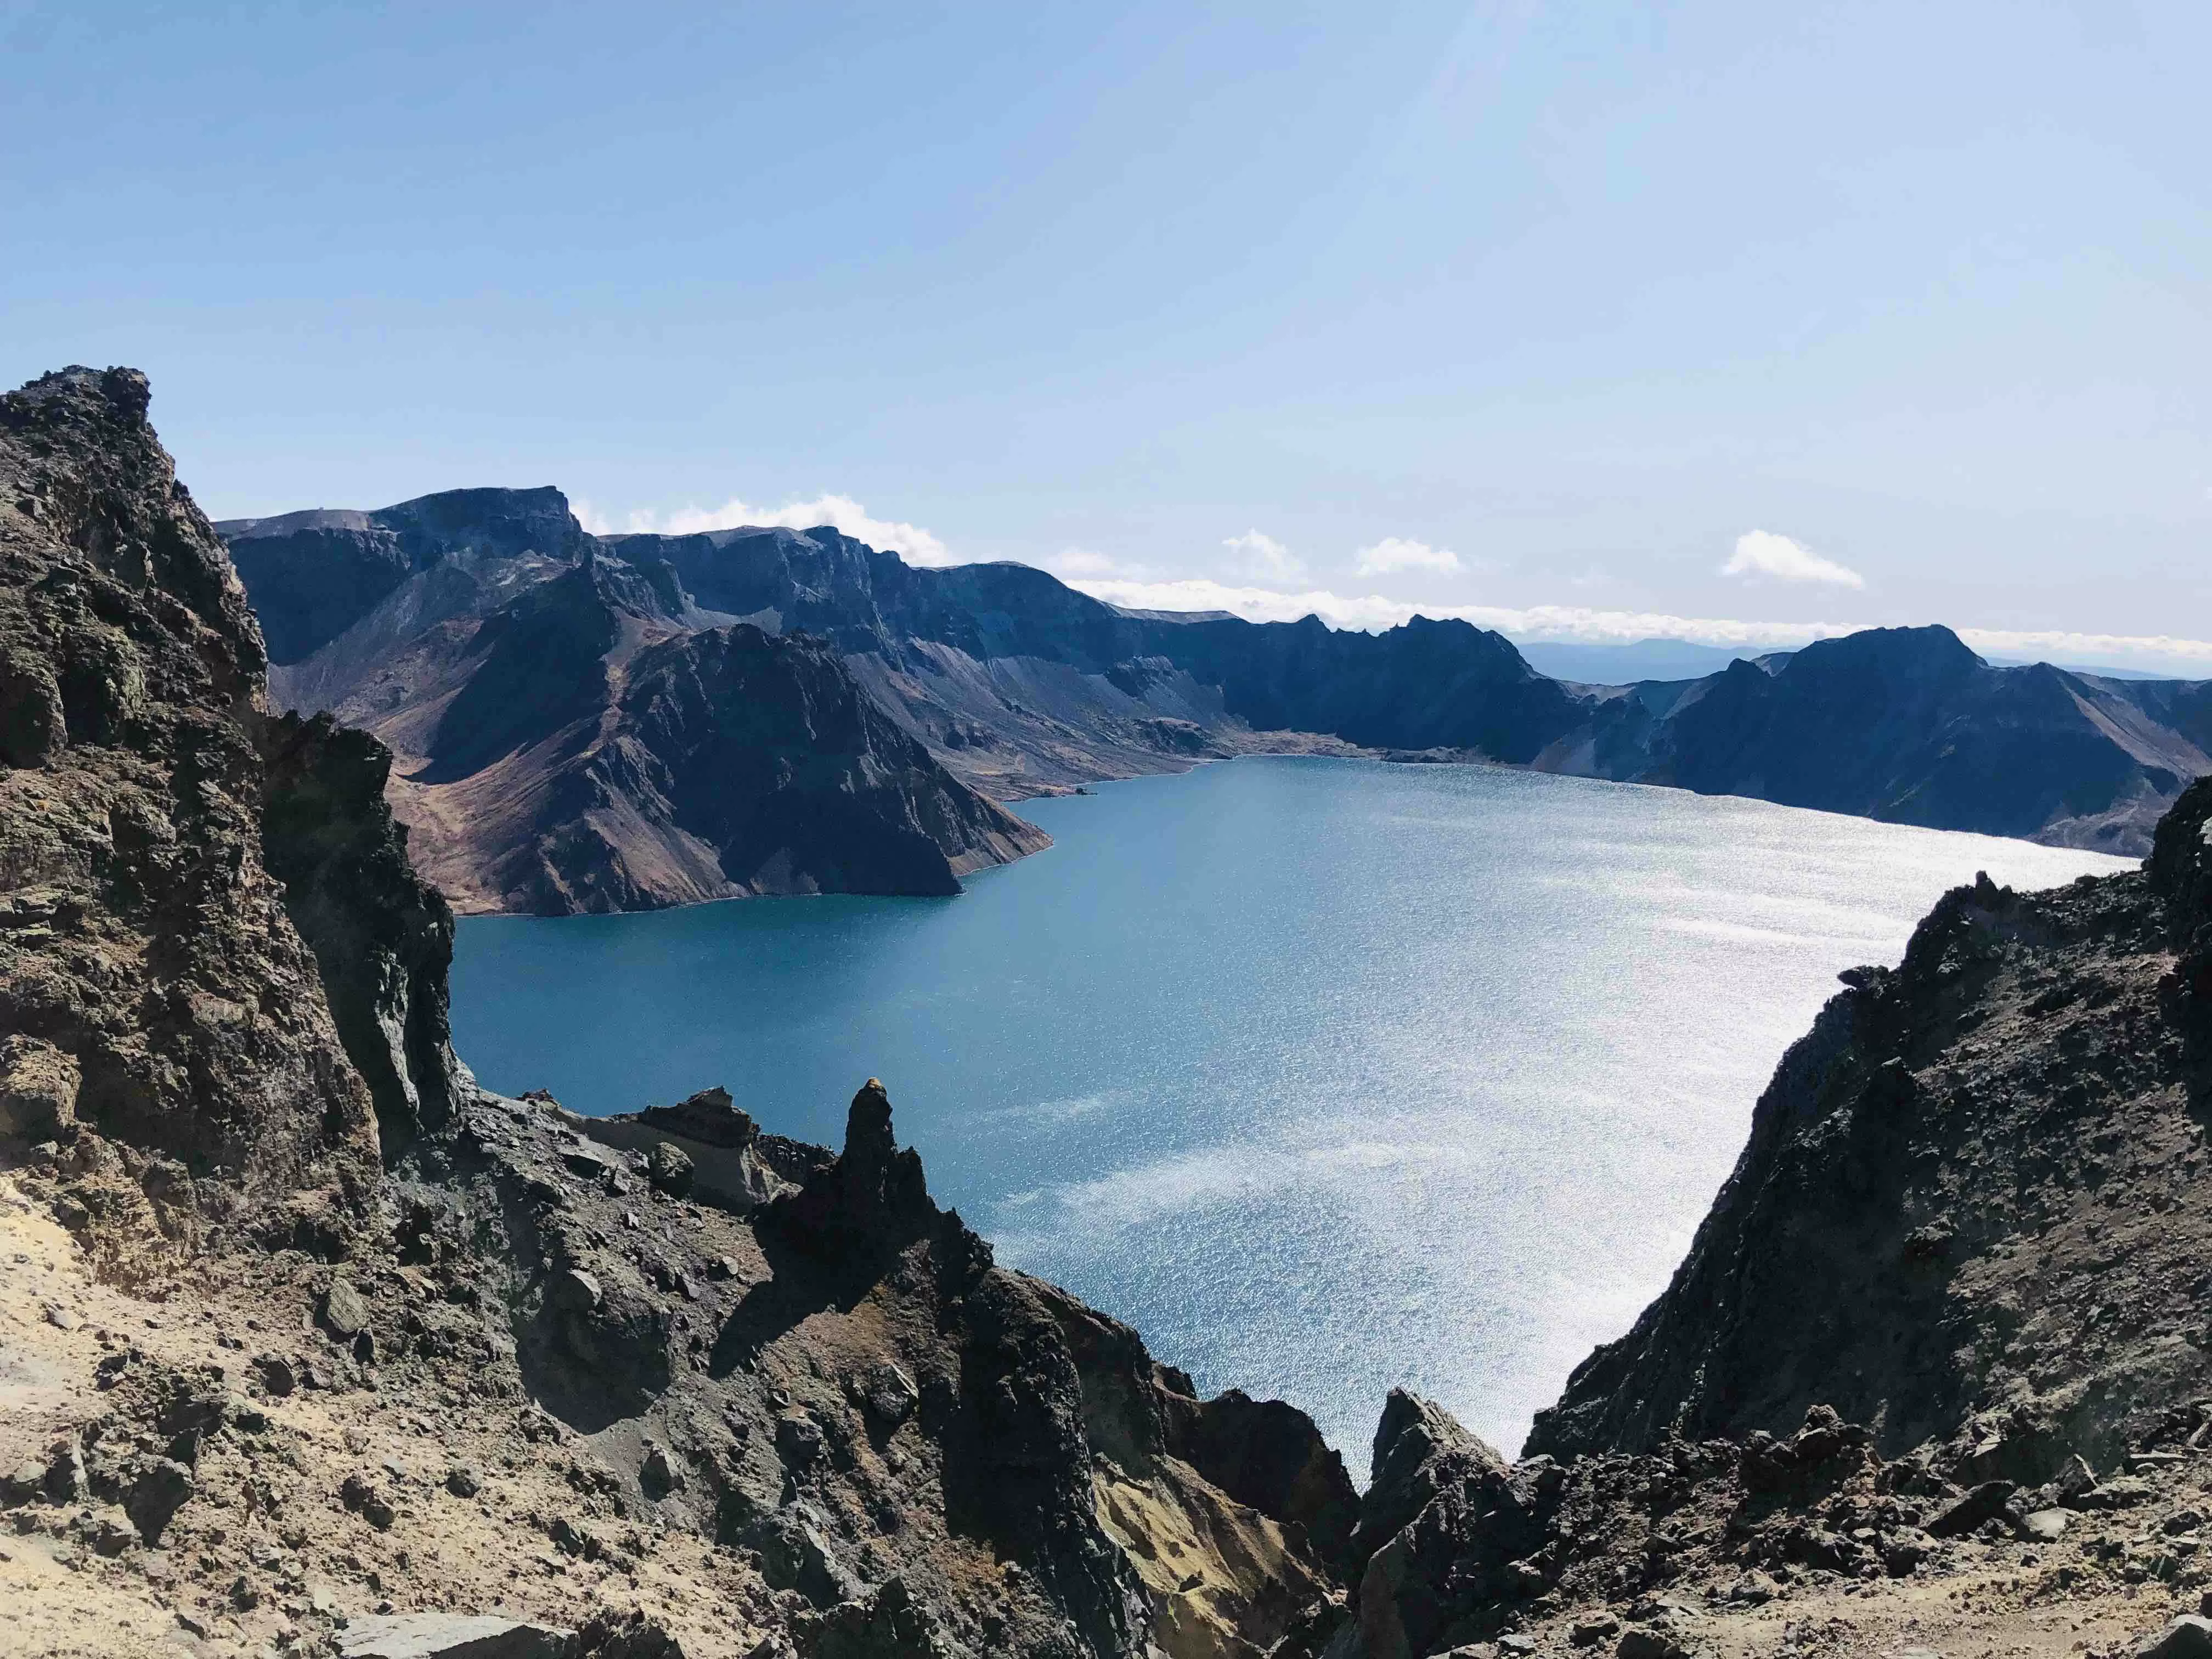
(1327, 1075)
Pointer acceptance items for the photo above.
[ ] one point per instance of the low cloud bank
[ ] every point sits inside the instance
(1584, 625)
(910, 541)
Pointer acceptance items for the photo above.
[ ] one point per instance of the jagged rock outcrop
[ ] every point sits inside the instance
(929, 1452)
(156, 994)
(383, 938)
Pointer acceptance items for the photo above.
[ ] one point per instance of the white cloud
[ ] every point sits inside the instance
(1261, 555)
(918, 545)
(1588, 626)
(1396, 553)
(1763, 553)
(1072, 562)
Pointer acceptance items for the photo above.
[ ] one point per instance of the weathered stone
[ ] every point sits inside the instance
(276, 1373)
(362, 1495)
(670, 1168)
(450, 1636)
(2046, 1526)
(1637, 1643)
(345, 1309)
(2188, 1636)
(38, 1086)
(158, 1488)
(27, 1480)
(577, 1291)
(890, 1394)
(610, 1634)
(66, 1481)
(1963, 1514)
(659, 1474)
(799, 1441)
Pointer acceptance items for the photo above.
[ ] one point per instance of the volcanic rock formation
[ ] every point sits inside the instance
(576, 734)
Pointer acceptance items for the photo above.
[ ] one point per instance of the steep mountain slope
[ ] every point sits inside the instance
(1909, 726)
(1949, 1304)
(157, 999)
(581, 736)
(314, 1345)
(977, 658)
(313, 574)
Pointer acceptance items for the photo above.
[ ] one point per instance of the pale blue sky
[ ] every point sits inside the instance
(1581, 293)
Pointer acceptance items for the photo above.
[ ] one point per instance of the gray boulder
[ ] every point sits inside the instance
(450, 1636)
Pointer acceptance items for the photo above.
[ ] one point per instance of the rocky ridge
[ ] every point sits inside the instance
(1020, 685)
(579, 736)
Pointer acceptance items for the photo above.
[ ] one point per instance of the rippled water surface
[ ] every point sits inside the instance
(1325, 1074)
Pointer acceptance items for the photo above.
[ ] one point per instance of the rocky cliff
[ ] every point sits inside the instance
(158, 1003)
(313, 574)
(1944, 1325)
(575, 732)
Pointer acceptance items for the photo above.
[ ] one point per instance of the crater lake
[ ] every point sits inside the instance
(1326, 1075)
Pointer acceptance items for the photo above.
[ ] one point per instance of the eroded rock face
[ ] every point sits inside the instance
(161, 997)
(578, 735)
(383, 938)
(1921, 1231)
(313, 574)
(931, 1453)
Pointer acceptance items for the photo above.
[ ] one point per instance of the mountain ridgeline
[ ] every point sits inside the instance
(620, 721)
(575, 734)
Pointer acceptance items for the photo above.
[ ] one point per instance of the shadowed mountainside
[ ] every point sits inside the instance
(1908, 726)
(578, 735)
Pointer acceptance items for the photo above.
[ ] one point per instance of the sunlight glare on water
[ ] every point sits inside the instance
(1326, 1075)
